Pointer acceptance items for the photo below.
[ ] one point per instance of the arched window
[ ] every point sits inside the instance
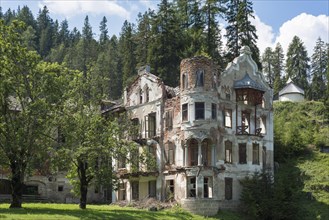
(199, 78)
(193, 152)
(185, 81)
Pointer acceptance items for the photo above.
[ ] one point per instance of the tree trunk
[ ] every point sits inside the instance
(16, 185)
(83, 184)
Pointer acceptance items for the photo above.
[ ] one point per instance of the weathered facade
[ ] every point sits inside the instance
(215, 129)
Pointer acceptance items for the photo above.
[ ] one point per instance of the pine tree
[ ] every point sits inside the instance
(64, 33)
(44, 32)
(267, 63)
(240, 32)
(297, 63)
(212, 11)
(127, 50)
(319, 65)
(103, 38)
(278, 67)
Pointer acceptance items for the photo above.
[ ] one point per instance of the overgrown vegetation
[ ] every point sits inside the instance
(299, 189)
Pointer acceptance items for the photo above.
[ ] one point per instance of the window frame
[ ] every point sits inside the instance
(185, 112)
(199, 108)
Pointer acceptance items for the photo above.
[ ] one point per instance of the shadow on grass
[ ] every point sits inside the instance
(306, 199)
(112, 213)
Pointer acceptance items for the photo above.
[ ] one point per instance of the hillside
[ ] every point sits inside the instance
(300, 130)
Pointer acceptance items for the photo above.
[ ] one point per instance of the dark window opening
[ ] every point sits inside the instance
(184, 112)
(255, 153)
(170, 153)
(122, 192)
(228, 96)
(199, 110)
(213, 111)
(60, 188)
(206, 187)
(122, 161)
(193, 153)
(192, 187)
(152, 188)
(228, 188)
(228, 152)
(140, 96)
(242, 153)
(147, 94)
(185, 81)
(135, 190)
(30, 190)
(264, 157)
(169, 120)
(150, 125)
(199, 78)
(206, 153)
(170, 189)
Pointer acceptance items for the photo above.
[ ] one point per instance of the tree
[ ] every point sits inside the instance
(297, 63)
(44, 32)
(30, 92)
(319, 65)
(239, 31)
(103, 38)
(127, 51)
(267, 63)
(278, 68)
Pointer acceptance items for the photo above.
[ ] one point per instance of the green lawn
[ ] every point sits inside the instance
(71, 211)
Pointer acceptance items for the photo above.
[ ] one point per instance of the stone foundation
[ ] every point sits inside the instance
(205, 207)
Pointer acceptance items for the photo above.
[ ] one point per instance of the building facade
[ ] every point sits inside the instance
(206, 135)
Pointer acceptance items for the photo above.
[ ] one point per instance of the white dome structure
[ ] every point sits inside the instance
(291, 92)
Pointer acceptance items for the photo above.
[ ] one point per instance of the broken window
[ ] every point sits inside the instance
(199, 110)
(213, 111)
(170, 153)
(169, 120)
(199, 78)
(185, 81)
(150, 125)
(193, 153)
(206, 153)
(140, 96)
(191, 187)
(184, 112)
(147, 94)
(135, 130)
(255, 153)
(228, 188)
(245, 122)
(170, 189)
(228, 152)
(243, 153)
(121, 161)
(135, 190)
(122, 192)
(152, 188)
(263, 125)
(207, 187)
(228, 118)
(264, 157)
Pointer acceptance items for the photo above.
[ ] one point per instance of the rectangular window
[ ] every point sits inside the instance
(227, 96)
(213, 111)
(169, 120)
(207, 187)
(184, 112)
(152, 188)
(150, 125)
(193, 153)
(228, 152)
(135, 190)
(134, 155)
(243, 153)
(264, 157)
(60, 188)
(228, 118)
(255, 153)
(192, 187)
(122, 192)
(171, 153)
(121, 161)
(199, 110)
(170, 190)
(245, 122)
(228, 188)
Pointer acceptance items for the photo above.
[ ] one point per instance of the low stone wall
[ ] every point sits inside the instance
(205, 207)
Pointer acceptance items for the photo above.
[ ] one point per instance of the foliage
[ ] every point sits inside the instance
(297, 125)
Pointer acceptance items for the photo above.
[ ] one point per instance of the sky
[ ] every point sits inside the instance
(275, 20)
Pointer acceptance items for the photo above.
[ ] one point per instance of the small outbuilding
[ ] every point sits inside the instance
(291, 92)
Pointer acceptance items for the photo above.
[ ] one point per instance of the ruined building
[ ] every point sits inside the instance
(215, 129)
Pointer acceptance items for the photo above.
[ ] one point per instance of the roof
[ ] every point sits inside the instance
(291, 88)
(248, 83)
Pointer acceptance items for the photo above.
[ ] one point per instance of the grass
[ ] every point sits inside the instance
(71, 211)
